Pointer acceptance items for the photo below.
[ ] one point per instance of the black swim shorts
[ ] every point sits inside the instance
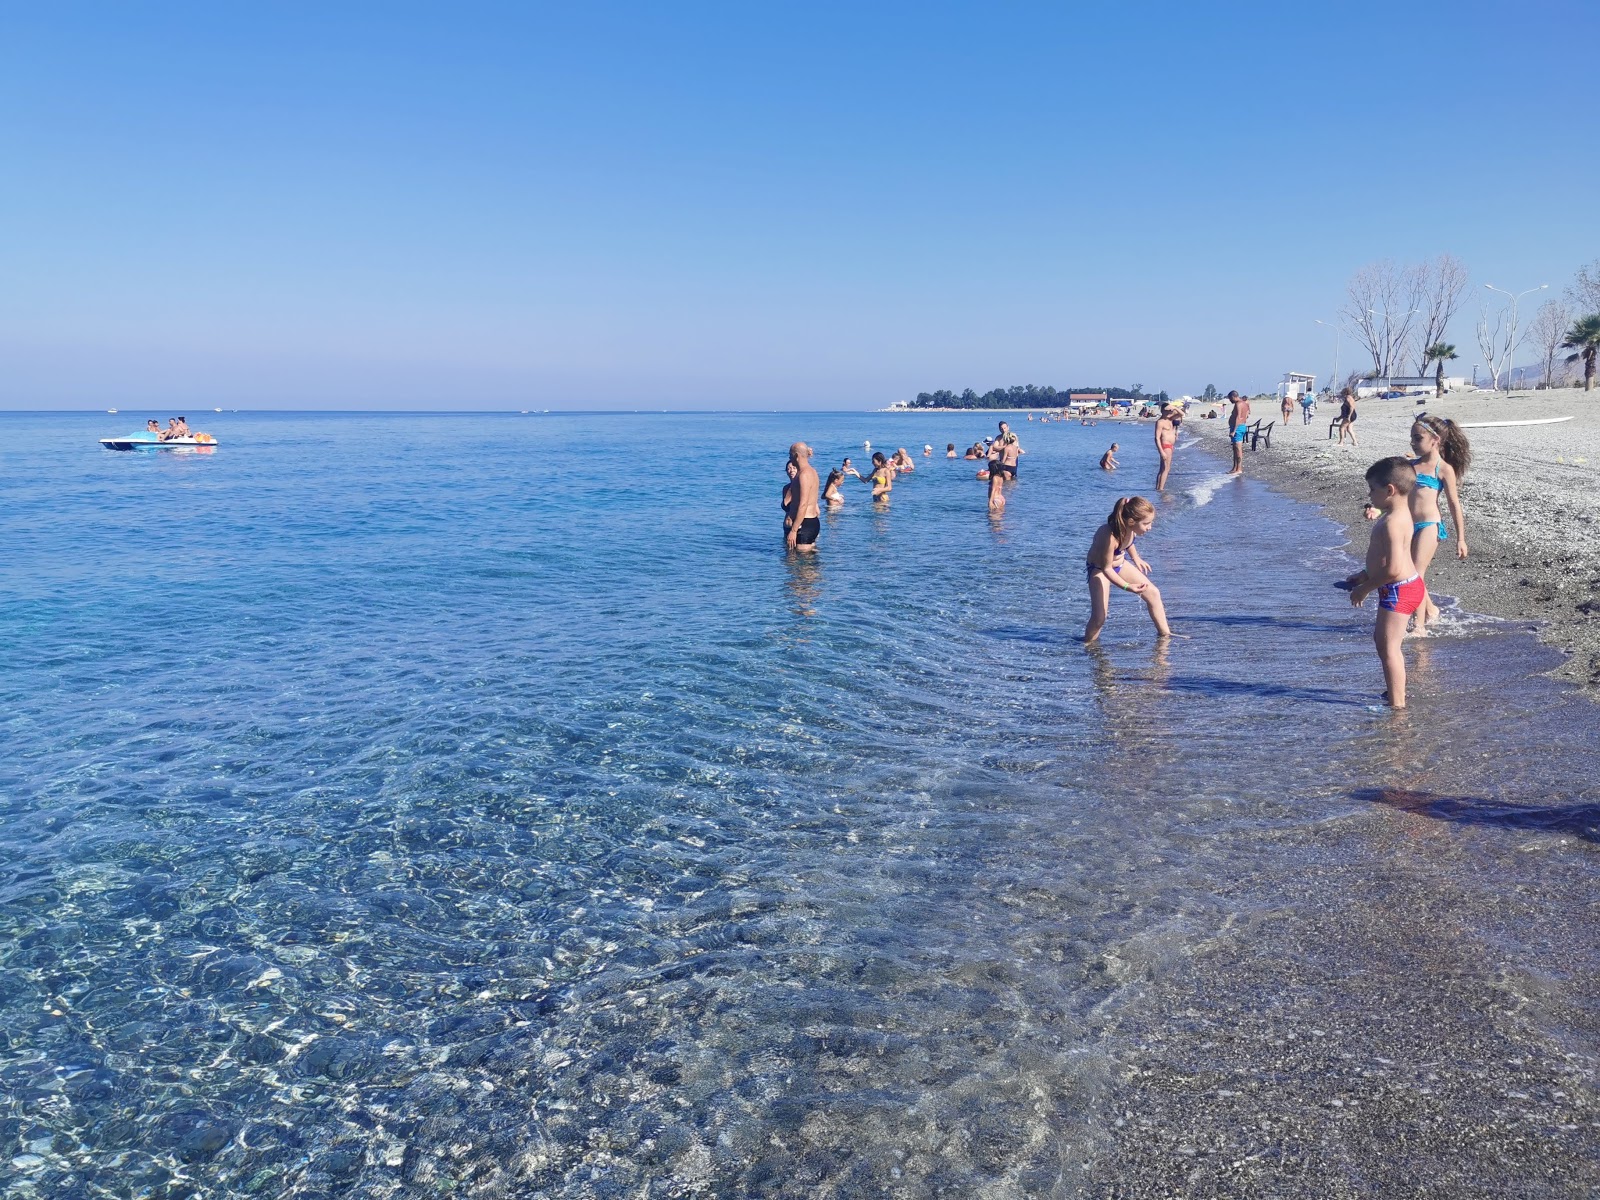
(809, 528)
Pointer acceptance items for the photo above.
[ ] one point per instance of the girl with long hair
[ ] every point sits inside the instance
(1442, 458)
(1113, 562)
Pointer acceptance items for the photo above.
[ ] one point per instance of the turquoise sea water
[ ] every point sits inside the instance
(486, 805)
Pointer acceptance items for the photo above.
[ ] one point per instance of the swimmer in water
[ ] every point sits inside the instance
(830, 491)
(803, 520)
(882, 478)
(1108, 460)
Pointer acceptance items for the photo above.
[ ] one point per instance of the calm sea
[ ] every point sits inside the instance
(398, 804)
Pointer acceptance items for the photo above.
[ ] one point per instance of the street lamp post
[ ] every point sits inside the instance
(1511, 337)
(1337, 331)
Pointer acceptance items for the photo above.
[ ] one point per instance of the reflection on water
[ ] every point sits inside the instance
(557, 858)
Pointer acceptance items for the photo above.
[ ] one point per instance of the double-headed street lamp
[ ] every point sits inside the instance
(1511, 336)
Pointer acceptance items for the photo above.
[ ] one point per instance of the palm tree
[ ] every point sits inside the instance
(1439, 352)
(1583, 339)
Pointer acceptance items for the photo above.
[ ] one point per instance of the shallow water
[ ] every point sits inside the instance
(406, 804)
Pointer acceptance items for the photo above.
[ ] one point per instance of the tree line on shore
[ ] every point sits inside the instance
(1028, 396)
(1399, 311)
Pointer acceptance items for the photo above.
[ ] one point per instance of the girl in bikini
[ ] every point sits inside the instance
(1113, 562)
(830, 491)
(1442, 458)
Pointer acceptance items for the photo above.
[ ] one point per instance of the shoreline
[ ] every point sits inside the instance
(1523, 565)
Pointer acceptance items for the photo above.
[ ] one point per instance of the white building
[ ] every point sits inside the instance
(1296, 385)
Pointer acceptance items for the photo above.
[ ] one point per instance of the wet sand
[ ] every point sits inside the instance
(1532, 498)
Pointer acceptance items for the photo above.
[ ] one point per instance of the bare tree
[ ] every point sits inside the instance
(1547, 330)
(1584, 292)
(1498, 340)
(1443, 285)
(1382, 301)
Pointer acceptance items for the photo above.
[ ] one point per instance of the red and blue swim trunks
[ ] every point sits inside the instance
(1404, 597)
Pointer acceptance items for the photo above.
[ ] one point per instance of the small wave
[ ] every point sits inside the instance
(1455, 621)
(1202, 492)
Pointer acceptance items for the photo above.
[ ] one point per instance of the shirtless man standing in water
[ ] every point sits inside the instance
(1166, 438)
(802, 523)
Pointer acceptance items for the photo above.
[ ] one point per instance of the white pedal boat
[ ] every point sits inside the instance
(145, 440)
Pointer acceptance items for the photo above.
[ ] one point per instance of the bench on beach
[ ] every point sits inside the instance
(1261, 429)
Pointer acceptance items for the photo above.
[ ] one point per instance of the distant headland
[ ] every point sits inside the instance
(1029, 396)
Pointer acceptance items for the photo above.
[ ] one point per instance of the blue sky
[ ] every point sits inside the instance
(763, 205)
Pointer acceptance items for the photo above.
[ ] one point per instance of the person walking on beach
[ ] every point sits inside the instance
(1166, 439)
(1113, 562)
(1108, 460)
(1347, 415)
(1442, 458)
(803, 521)
(1390, 570)
(1238, 429)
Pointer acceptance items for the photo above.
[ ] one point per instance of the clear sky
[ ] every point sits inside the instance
(752, 204)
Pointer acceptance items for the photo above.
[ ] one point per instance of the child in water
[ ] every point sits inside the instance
(830, 491)
(1442, 458)
(1108, 460)
(1390, 570)
(997, 498)
(1113, 562)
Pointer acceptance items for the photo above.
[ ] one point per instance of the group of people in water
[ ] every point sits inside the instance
(802, 496)
(177, 427)
(1406, 501)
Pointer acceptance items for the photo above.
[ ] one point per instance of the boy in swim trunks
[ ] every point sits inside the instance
(1238, 430)
(1390, 570)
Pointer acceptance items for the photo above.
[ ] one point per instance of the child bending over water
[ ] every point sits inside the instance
(1390, 570)
(1442, 458)
(1113, 562)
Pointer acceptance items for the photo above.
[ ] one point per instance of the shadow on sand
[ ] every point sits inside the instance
(1577, 820)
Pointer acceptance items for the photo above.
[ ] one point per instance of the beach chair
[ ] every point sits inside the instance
(1262, 429)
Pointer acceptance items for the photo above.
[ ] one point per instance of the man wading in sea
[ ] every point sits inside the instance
(1003, 452)
(801, 519)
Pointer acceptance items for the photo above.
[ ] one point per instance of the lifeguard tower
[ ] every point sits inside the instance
(1295, 386)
